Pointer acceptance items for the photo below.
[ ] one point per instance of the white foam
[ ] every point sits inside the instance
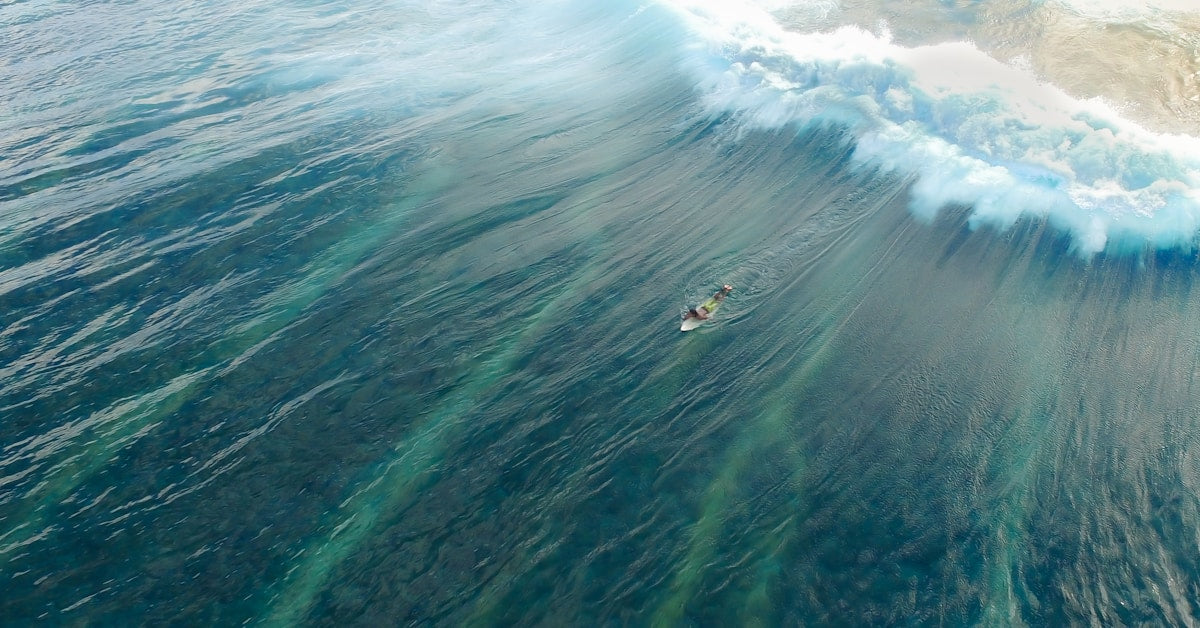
(1126, 11)
(972, 130)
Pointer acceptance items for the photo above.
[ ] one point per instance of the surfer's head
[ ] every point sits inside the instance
(727, 288)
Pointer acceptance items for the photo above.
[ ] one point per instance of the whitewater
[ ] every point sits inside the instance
(335, 313)
(970, 129)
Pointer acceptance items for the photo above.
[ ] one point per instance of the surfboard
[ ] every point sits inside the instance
(691, 322)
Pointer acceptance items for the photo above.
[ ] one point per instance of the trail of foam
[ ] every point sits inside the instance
(973, 130)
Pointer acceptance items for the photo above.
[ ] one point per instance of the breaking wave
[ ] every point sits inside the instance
(969, 129)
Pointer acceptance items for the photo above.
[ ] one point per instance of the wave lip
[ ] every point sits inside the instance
(970, 129)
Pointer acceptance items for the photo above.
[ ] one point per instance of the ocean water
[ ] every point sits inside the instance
(328, 313)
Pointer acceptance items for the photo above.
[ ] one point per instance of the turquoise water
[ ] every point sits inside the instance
(325, 313)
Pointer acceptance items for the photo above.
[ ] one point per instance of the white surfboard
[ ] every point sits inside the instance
(692, 322)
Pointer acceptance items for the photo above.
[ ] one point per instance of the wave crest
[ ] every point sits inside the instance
(970, 129)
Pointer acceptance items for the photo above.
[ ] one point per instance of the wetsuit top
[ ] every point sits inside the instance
(710, 304)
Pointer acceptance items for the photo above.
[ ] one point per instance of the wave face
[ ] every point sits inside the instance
(995, 135)
(337, 313)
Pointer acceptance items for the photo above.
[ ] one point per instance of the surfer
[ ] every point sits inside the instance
(701, 312)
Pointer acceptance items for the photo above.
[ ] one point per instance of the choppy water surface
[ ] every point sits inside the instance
(332, 313)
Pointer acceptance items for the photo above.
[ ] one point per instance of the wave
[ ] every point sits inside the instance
(967, 128)
(1116, 11)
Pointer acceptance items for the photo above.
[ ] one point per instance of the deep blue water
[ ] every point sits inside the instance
(325, 313)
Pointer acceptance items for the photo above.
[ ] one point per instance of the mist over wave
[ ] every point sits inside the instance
(971, 130)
